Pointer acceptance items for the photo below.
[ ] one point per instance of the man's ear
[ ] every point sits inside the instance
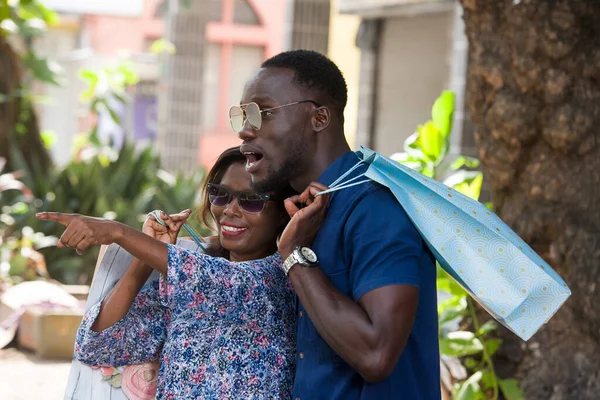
(321, 118)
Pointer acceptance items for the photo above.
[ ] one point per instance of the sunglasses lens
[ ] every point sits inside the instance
(236, 118)
(252, 203)
(253, 114)
(218, 196)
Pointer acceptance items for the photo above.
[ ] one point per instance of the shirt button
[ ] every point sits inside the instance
(301, 355)
(301, 313)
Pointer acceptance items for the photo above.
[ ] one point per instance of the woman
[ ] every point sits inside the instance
(226, 325)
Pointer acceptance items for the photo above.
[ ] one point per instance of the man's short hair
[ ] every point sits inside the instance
(314, 71)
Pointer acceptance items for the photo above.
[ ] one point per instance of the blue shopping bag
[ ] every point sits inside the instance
(496, 267)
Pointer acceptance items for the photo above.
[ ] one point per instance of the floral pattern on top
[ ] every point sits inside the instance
(219, 329)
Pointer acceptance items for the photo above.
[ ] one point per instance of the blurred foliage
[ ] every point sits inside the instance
(29, 19)
(19, 258)
(120, 184)
(472, 343)
(23, 21)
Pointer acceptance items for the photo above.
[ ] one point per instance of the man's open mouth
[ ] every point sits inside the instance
(252, 160)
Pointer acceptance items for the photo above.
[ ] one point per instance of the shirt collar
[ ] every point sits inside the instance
(342, 164)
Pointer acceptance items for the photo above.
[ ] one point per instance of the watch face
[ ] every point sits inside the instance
(310, 255)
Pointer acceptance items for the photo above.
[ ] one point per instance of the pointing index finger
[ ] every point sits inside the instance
(64, 219)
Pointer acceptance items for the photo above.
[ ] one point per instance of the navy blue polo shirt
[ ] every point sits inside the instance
(367, 242)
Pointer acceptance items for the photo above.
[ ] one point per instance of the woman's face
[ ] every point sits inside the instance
(246, 236)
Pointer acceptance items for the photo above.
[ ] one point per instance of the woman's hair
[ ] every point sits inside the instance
(228, 158)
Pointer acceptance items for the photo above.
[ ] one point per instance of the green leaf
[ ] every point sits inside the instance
(42, 69)
(430, 141)
(4, 11)
(452, 308)
(469, 162)
(492, 345)
(466, 182)
(35, 9)
(412, 147)
(460, 343)
(470, 363)
(49, 138)
(449, 285)
(113, 114)
(487, 379)
(487, 327)
(511, 390)
(409, 161)
(162, 46)
(92, 79)
(130, 77)
(441, 112)
(470, 389)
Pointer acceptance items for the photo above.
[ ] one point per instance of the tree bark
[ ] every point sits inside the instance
(14, 110)
(534, 93)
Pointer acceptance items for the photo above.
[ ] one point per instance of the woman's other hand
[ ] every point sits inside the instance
(169, 233)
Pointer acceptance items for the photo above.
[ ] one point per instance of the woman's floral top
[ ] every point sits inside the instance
(220, 329)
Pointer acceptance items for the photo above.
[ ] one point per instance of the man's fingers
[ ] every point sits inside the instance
(290, 206)
(61, 218)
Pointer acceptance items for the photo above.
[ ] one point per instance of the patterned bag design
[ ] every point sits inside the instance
(497, 268)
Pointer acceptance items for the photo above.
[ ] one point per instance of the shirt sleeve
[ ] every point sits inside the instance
(136, 338)
(382, 244)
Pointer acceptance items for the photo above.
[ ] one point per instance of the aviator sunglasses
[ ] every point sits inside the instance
(249, 201)
(251, 112)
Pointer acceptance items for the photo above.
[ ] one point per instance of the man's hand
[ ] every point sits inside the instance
(169, 233)
(82, 231)
(305, 222)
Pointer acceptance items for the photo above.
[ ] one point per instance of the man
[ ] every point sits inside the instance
(367, 312)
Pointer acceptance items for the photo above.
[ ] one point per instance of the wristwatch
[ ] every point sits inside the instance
(301, 255)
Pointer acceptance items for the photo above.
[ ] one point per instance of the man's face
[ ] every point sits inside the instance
(276, 153)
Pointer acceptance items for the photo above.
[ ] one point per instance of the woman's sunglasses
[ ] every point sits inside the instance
(249, 201)
(251, 112)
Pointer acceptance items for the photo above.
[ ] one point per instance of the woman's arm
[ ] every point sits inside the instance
(117, 303)
(136, 338)
(83, 231)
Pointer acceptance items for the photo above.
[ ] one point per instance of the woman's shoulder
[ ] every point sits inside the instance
(272, 260)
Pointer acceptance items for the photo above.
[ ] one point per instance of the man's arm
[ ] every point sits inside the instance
(370, 330)
(370, 335)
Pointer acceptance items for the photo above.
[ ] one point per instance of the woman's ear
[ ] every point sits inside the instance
(321, 118)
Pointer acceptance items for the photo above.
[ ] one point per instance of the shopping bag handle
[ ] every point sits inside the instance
(195, 237)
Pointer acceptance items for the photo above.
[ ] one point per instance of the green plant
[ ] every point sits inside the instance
(120, 184)
(471, 342)
(19, 258)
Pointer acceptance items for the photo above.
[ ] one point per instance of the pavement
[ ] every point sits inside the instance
(26, 377)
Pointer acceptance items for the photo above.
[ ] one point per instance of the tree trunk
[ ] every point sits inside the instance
(534, 93)
(16, 110)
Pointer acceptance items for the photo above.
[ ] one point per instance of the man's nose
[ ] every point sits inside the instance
(247, 132)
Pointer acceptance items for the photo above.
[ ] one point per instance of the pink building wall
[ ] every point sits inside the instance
(109, 35)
